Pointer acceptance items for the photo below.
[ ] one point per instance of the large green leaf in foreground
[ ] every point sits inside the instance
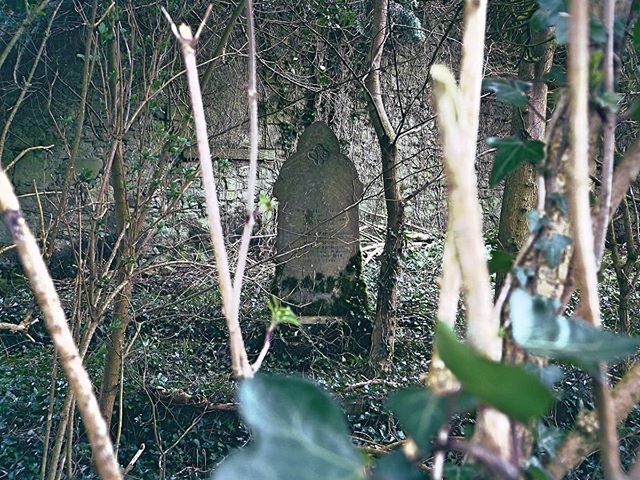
(510, 389)
(300, 434)
(537, 328)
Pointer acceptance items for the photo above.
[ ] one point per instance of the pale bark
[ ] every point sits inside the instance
(580, 217)
(608, 135)
(458, 111)
(239, 360)
(56, 324)
(520, 197)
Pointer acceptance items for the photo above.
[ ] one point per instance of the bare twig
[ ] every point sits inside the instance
(582, 441)
(22, 327)
(56, 324)
(501, 468)
(265, 348)
(609, 136)
(222, 43)
(134, 459)
(33, 14)
(182, 398)
(580, 218)
(239, 361)
(27, 82)
(250, 210)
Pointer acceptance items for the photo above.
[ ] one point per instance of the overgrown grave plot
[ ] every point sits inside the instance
(177, 370)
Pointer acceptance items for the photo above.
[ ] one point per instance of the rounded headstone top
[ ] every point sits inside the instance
(318, 133)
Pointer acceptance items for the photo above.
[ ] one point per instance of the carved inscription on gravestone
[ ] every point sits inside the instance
(318, 226)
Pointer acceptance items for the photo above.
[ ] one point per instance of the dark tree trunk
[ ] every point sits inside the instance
(385, 320)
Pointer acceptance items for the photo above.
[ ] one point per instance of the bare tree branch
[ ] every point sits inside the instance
(580, 218)
(239, 360)
(56, 324)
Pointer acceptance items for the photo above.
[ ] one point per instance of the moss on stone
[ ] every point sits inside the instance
(345, 296)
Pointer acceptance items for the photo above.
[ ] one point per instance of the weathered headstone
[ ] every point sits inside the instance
(319, 264)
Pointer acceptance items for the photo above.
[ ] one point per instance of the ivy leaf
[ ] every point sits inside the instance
(557, 75)
(299, 433)
(537, 328)
(609, 100)
(501, 261)
(559, 200)
(597, 32)
(421, 413)
(396, 466)
(467, 471)
(523, 275)
(547, 12)
(510, 389)
(510, 153)
(512, 92)
(562, 28)
(635, 35)
(552, 247)
(266, 204)
(536, 221)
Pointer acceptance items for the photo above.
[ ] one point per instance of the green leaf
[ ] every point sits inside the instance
(537, 328)
(266, 204)
(510, 153)
(557, 75)
(537, 473)
(562, 28)
(536, 221)
(552, 13)
(547, 13)
(609, 100)
(281, 315)
(508, 388)
(559, 200)
(501, 261)
(396, 466)
(511, 91)
(421, 413)
(468, 471)
(635, 35)
(552, 247)
(300, 433)
(597, 32)
(523, 274)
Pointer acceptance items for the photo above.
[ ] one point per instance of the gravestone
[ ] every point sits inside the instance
(318, 248)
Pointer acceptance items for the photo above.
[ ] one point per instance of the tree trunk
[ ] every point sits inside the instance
(121, 317)
(519, 194)
(385, 320)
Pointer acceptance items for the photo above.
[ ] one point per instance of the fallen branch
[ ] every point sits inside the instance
(22, 327)
(181, 398)
(373, 381)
